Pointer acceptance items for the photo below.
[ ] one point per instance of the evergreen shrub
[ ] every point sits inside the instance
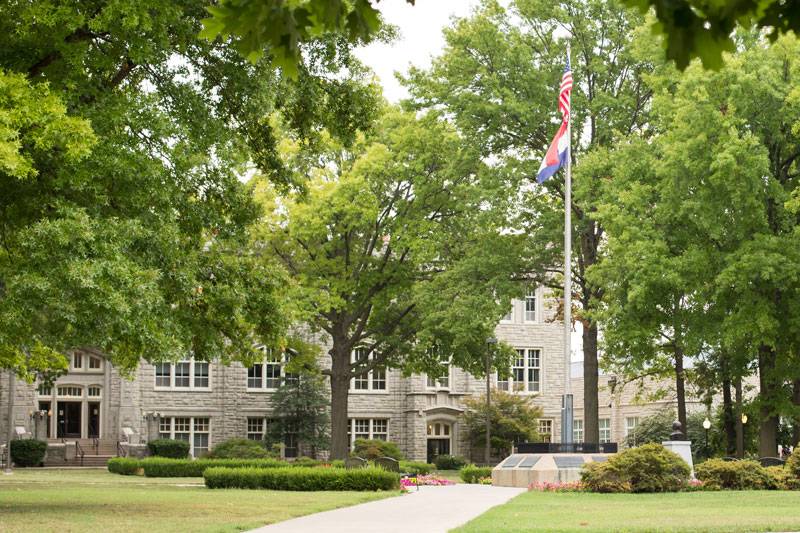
(239, 448)
(415, 468)
(372, 449)
(449, 462)
(717, 474)
(28, 452)
(648, 468)
(126, 466)
(473, 474)
(302, 479)
(174, 449)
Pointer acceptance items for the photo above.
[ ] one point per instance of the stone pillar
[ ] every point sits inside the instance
(678, 444)
(40, 425)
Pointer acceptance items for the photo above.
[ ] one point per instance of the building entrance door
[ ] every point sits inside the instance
(437, 447)
(94, 420)
(69, 420)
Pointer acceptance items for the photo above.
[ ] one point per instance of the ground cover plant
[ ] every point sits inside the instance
(301, 479)
(96, 500)
(710, 512)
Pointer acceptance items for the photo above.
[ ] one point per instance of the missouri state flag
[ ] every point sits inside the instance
(557, 154)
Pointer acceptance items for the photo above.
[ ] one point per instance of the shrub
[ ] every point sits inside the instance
(238, 448)
(164, 467)
(372, 449)
(473, 474)
(792, 467)
(125, 466)
(28, 452)
(175, 449)
(449, 462)
(717, 474)
(301, 479)
(416, 469)
(648, 468)
(306, 461)
(782, 478)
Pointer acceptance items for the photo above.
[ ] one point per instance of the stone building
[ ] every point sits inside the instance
(206, 403)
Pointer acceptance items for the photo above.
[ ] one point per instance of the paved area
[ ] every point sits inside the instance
(431, 510)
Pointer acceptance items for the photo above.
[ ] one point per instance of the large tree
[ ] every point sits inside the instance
(396, 254)
(498, 78)
(122, 215)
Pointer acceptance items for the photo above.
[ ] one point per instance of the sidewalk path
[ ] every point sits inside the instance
(431, 510)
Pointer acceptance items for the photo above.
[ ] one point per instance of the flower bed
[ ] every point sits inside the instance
(546, 486)
(420, 481)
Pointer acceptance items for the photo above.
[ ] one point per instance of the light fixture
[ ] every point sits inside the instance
(744, 418)
(707, 424)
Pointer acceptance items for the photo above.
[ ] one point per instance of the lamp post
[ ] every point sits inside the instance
(490, 342)
(707, 426)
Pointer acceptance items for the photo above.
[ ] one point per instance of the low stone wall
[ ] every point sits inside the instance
(56, 453)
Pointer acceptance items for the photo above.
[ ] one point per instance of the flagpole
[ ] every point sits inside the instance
(566, 404)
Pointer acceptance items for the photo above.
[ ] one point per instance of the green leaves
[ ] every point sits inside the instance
(281, 27)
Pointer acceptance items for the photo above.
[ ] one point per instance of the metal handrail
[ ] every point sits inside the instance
(79, 449)
(96, 443)
(121, 450)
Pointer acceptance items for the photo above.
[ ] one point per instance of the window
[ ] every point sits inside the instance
(368, 428)
(525, 372)
(604, 425)
(44, 390)
(577, 430)
(77, 361)
(438, 429)
(545, 429)
(72, 392)
(530, 307)
(255, 428)
(371, 380)
(86, 363)
(94, 363)
(189, 374)
(93, 391)
(509, 317)
(630, 427)
(269, 374)
(441, 382)
(194, 430)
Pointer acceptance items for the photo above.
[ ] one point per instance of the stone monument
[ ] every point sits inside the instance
(679, 444)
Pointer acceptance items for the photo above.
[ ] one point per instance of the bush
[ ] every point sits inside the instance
(717, 474)
(306, 461)
(474, 474)
(301, 479)
(165, 467)
(416, 469)
(174, 449)
(449, 462)
(648, 468)
(792, 467)
(372, 449)
(239, 449)
(125, 466)
(28, 452)
(782, 478)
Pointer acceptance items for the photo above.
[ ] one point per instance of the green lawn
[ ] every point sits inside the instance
(95, 500)
(688, 511)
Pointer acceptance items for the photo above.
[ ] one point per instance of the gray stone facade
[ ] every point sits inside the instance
(136, 409)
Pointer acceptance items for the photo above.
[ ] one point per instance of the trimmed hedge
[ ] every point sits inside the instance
(717, 474)
(301, 479)
(449, 462)
(473, 474)
(125, 466)
(647, 468)
(238, 448)
(163, 467)
(174, 449)
(415, 468)
(28, 452)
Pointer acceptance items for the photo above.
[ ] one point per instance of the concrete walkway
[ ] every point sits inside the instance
(431, 510)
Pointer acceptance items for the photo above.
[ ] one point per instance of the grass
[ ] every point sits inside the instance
(96, 500)
(728, 511)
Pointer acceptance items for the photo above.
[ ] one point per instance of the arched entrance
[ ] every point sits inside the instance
(440, 435)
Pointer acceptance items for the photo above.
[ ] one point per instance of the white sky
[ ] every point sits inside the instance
(420, 38)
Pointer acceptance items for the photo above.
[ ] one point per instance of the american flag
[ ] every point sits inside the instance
(566, 91)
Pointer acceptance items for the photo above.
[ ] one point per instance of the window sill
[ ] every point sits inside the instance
(269, 391)
(362, 391)
(182, 389)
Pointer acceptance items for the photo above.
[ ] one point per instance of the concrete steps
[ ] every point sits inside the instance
(96, 453)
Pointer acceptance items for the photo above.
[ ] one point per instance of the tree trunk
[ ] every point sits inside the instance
(739, 424)
(680, 388)
(340, 390)
(768, 389)
(728, 420)
(591, 430)
(796, 420)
